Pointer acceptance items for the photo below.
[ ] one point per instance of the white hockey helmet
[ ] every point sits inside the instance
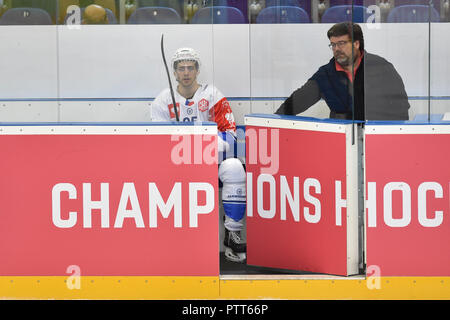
(185, 54)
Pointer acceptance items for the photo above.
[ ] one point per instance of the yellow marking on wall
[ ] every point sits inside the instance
(110, 288)
(386, 288)
(210, 288)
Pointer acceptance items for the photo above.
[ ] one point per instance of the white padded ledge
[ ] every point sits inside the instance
(108, 129)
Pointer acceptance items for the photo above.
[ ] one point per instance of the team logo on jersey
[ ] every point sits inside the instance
(203, 105)
(189, 111)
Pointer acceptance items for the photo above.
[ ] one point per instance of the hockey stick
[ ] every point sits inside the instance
(168, 77)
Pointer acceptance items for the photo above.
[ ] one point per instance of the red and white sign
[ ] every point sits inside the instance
(136, 203)
(408, 200)
(296, 197)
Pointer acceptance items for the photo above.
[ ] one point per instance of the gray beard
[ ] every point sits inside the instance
(345, 62)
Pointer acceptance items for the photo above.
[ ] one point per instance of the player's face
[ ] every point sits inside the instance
(186, 73)
(342, 50)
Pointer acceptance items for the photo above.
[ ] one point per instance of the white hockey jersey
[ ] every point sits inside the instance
(207, 104)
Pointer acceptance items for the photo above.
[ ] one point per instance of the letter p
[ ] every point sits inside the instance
(194, 208)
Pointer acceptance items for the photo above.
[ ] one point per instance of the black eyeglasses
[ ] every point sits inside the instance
(338, 44)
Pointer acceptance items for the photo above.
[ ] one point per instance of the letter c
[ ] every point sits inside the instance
(56, 205)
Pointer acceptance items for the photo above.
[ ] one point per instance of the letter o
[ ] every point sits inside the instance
(406, 202)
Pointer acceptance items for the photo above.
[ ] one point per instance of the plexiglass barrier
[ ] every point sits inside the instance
(406, 79)
(75, 60)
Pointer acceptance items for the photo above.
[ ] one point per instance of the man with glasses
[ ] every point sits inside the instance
(355, 84)
(196, 103)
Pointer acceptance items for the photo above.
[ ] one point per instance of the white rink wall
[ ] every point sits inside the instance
(112, 73)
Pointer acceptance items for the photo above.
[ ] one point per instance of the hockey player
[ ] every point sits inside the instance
(197, 102)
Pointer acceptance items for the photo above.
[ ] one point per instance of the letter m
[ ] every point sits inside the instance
(156, 201)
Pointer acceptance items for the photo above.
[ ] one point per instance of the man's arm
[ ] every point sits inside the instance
(221, 112)
(401, 98)
(385, 95)
(223, 116)
(301, 99)
(159, 109)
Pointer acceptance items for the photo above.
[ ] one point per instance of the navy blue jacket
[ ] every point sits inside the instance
(378, 92)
